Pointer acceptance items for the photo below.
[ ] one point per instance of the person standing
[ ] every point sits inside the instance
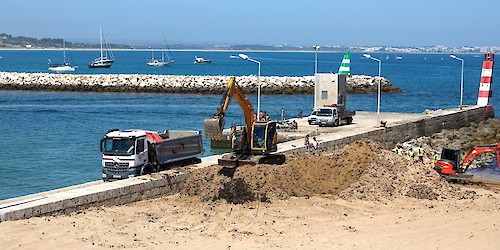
(282, 114)
(420, 152)
(233, 129)
(307, 143)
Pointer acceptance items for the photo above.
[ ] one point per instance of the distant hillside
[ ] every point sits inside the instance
(9, 41)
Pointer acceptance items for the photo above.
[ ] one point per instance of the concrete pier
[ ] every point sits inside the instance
(400, 127)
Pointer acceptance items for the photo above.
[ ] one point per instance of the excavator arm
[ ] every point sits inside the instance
(477, 150)
(215, 125)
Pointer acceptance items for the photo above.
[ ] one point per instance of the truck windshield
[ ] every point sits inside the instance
(119, 146)
(324, 112)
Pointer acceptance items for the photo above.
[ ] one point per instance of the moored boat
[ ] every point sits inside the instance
(106, 58)
(65, 66)
(201, 60)
(162, 62)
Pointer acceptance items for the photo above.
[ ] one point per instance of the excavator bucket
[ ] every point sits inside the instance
(214, 127)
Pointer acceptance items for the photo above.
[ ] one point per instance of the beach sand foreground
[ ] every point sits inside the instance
(297, 223)
(360, 197)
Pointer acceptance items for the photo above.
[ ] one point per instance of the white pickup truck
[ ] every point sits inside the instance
(313, 118)
(334, 116)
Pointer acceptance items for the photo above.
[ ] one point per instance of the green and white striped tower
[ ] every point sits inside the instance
(345, 66)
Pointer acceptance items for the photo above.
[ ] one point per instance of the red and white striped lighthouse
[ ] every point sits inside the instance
(485, 93)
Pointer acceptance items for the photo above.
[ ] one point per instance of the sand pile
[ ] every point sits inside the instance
(391, 176)
(359, 171)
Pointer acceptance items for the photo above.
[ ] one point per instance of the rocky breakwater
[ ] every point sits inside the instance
(177, 84)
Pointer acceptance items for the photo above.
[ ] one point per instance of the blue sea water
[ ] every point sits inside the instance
(51, 139)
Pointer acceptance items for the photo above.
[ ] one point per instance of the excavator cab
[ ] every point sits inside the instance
(264, 137)
(449, 161)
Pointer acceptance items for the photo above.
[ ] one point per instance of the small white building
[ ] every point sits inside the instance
(329, 89)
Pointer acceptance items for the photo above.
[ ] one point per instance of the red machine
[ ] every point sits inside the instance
(449, 164)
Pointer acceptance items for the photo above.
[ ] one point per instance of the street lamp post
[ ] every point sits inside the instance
(461, 79)
(378, 89)
(245, 57)
(316, 48)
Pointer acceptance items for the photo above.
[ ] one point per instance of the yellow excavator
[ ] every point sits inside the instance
(253, 144)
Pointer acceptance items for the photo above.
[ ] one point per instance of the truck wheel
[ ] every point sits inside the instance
(146, 169)
(349, 120)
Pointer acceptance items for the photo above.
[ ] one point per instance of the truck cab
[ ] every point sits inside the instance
(313, 118)
(126, 154)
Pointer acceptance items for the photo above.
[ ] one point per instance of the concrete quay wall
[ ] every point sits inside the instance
(67, 200)
(176, 84)
(395, 133)
(94, 194)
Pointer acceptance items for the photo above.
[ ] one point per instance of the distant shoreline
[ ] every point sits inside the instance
(223, 50)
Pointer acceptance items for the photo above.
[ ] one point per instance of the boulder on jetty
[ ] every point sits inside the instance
(178, 84)
(368, 84)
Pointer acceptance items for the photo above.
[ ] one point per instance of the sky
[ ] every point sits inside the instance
(266, 22)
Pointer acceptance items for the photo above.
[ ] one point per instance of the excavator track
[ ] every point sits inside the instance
(462, 178)
(232, 161)
(236, 160)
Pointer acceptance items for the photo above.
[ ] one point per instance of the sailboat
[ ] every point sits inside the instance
(65, 67)
(106, 58)
(158, 63)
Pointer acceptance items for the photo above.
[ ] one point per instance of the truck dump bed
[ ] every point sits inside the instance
(178, 145)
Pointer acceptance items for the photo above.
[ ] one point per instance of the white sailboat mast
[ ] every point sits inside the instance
(163, 47)
(100, 38)
(162, 53)
(64, 51)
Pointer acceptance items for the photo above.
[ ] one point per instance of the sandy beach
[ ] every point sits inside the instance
(360, 197)
(298, 223)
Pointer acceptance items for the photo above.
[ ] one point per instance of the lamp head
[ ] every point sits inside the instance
(367, 56)
(316, 47)
(243, 56)
(453, 56)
